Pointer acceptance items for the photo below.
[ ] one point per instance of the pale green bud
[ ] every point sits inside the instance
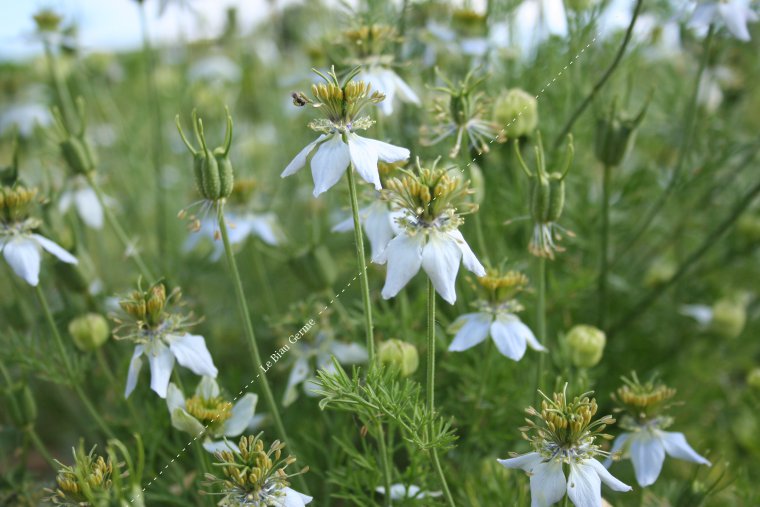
(586, 344)
(753, 378)
(615, 133)
(748, 227)
(659, 272)
(89, 331)
(729, 317)
(400, 354)
(516, 111)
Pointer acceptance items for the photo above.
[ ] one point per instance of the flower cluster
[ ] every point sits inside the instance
(87, 482)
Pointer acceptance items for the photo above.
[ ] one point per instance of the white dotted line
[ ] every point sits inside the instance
(501, 132)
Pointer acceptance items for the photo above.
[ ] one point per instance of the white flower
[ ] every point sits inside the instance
(389, 83)
(223, 422)
(403, 492)
(379, 224)
(21, 249)
(292, 498)
(162, 349)
(548, 484)
(88, 207)
(647, 448)
(506, 329)
(439, 252)
(735, 14)
(263, 226)
(25, 117)
(332, 156)
(321, 351)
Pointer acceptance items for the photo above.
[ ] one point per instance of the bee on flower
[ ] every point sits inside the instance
(463, 116)
(645, 442)
(564, 437)
(161, 336)
(254, 477)
(338, 147)
(433, 201)
(496, 317)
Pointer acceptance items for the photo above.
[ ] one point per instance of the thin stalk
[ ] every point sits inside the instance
(683, 149)
(69, 368)
(541, 320)
(269, 296)
(249, 333)
(119, 230)
(61, 92)
(602, 80)
(604, 246)
(385, 461)
(363, 276)
(430, 387)
(711, 240)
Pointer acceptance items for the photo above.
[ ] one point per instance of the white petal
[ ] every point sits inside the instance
(349, 353)
(473, 329)
(527, 333)
(89, 208)
(214, 446)
(55, 249)
(65, 201)
(647, 455)
(440, 260)
(404, 256)
(300, 160)
(378, 227)
(183, 421)
(191, 352)
(468, 257)
(703, 314)
(294, 499)
(298, 374)
(703, 15)
(389, 152)
(207, 388)
(553, 12)
(161, 362)
(134, 371)
(618, 447)
(676, 445)
(264, 227)
(398, 491)
(606, 477)
(525, 462)
(174, 398)
(547, 484)
(242, 413)
(329, 163)
(364, 158)
(405, 93)
(506, 335)
(735, 16)
(584, 487)
(23, 256)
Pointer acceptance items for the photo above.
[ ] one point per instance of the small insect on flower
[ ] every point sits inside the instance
(563, 435)
(161, 336)
(735, 14)
(253, 477)
(496, 316)
(339, 147)
(645, 442)
(433, 202)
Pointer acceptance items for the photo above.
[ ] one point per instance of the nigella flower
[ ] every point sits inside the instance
(339, 147)
(379, 223)
(311, 355)
(401, 491)
(463, 117)
(646, 444)
(20, 245)
(253, 477)
(86, 202)
(433, 202)
(563, 437)
(497, 318)
(207, 412)
(735, 14)
(161, 336)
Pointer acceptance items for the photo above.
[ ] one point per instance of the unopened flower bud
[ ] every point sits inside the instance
(729, 315)
(76, 150)
(615, 133)
(753, 378)
(212, 169)
(399, 354)
(748, 227)
(659, 272)
(47, 20)
(516, 111)
(586, 345)
(89, 331)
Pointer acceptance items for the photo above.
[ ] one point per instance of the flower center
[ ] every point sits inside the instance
(209, 411)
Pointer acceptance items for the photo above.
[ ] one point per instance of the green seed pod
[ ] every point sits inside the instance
(547, 198)
(753, 378)
(586, 344)
(78, 155)
(729, 317)
(226, 174)
(28, 405)
(517, 112)
(22, 408)
(399, 354)
(89, 331)
(614, 135)
(210, 178)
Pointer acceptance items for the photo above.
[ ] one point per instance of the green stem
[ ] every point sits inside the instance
(604, 246)
(683, 149)
(430, 387)
(541, 320)
(385, 460)
(269, 296)
(602, 80)
(69, 368)
(249, 333)
(119, 230)
(40, 446)
(359, 239)
(61, 93)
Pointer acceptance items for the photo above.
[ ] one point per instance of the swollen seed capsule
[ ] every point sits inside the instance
(226, 174)
(210, 178)
(547, 198)
(400, 354)
(586, 344)
(78, 155)
(89, 331)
